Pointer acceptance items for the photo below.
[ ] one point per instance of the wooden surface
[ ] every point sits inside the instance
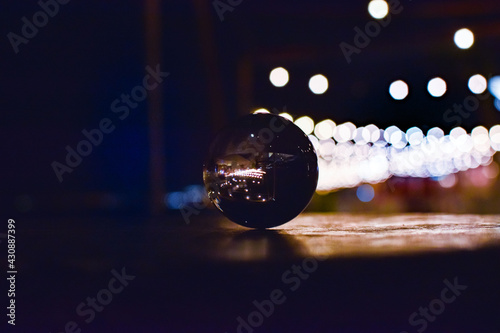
(350, 235)
(372, 272)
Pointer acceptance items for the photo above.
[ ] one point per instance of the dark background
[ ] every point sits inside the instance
(65, 78)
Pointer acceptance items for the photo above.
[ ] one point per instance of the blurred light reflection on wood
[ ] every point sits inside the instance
(348, 235)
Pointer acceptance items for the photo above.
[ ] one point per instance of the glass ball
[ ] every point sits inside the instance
(261, 171)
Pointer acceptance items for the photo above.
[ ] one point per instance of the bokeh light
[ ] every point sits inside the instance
(378, 9)
(395, 137)
(448, 180)
(362, 135)
(344, 132)
(306, 124)
(436, 87)
(398, 90)
(287, 116)
(496, 104)
(491, 171)
(435, 133)
(318, 84)
(324, 129)
(494, 86)
(389, 131)
(477, 84)
(376, 154)
(365, 193)
(415, 136)
(374, 133)
(315, 142)
(326, 149)
(279, 77)
(262, 110)
(464, 38)
(192, 194)
(480, 137)
(495, 137)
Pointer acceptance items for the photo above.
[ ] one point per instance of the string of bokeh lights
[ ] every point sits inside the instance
(351, 155)
(399, 89)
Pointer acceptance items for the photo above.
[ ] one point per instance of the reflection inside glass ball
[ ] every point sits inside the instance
(261, 171)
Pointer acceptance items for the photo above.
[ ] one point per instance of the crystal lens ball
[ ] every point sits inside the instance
(261, 171)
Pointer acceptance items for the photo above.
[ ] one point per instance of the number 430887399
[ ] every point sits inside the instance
(11, 240)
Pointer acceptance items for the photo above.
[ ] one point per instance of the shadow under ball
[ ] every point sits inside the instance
(262, 171)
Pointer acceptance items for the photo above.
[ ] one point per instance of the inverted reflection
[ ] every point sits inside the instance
(262, 171)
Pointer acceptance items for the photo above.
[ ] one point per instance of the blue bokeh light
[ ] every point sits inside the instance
(365, 193)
